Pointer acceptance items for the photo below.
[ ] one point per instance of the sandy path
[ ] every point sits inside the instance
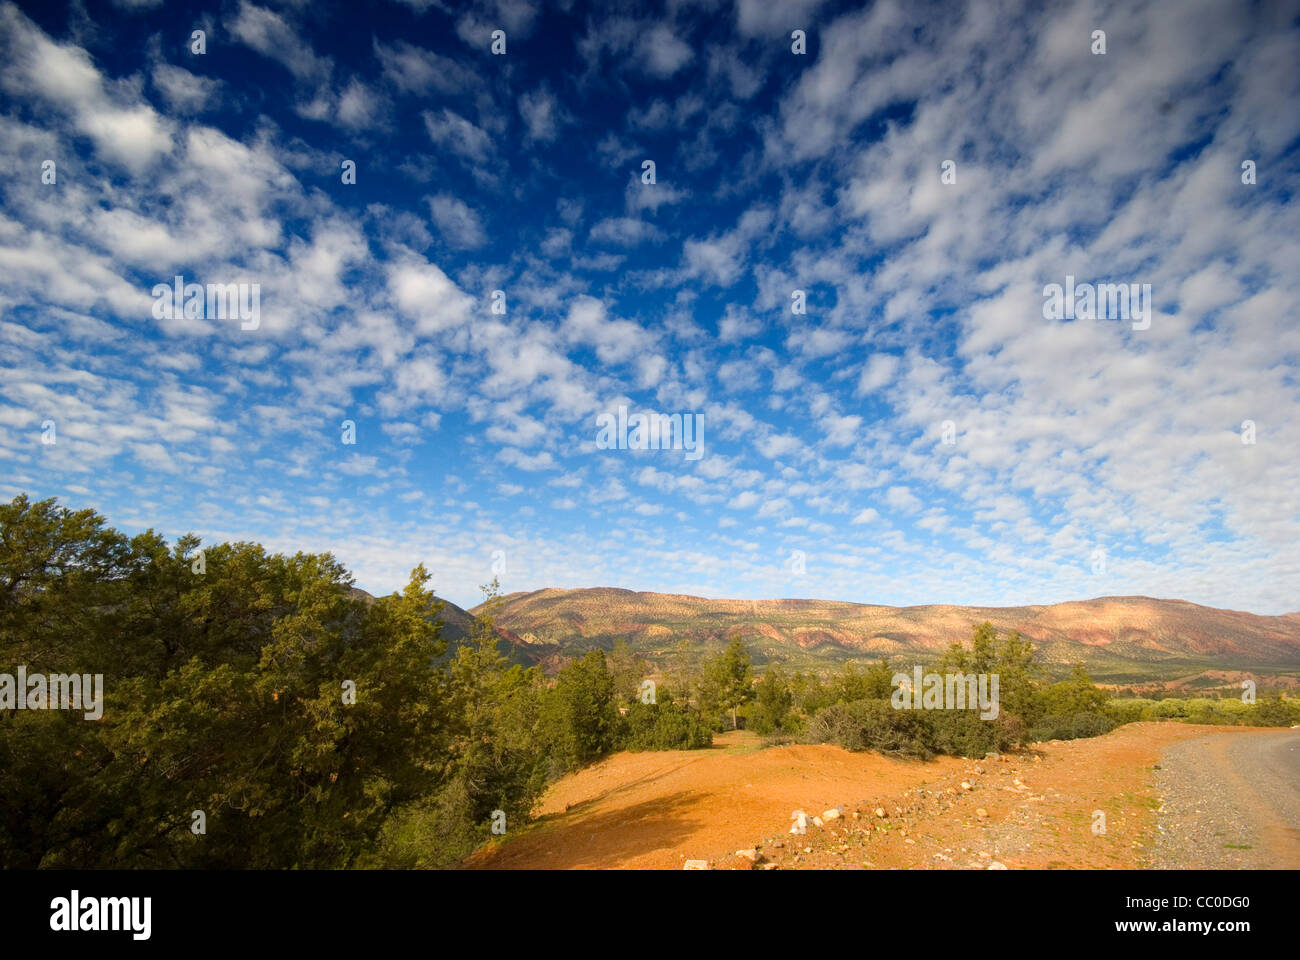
(658, 809)
(1231, 802)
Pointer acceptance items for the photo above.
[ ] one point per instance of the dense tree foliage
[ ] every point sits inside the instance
(258, 712)
(224, 678)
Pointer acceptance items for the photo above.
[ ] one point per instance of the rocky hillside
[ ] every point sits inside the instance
(1118, 637)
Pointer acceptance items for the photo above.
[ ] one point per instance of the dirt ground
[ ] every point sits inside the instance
(1078, 804)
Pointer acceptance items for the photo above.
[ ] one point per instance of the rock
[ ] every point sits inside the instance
(981, 813)
(965, 784)
(880, 812)
(855, 814)
(750, 855)
(909, 840)
(778, 844)
(832, 814)
(817, 821)
(995, 865)
(696, 865)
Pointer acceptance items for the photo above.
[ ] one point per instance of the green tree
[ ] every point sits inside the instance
(226, 692)
(628, 671)
(496, 760)
(726, 681)
(773, 703)
(1078, 694)
(1011, 657)
(664, 725)
(582, 715)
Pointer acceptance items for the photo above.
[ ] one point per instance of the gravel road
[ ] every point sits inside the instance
(1230, 801)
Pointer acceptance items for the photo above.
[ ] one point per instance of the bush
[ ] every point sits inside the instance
(664, 726)
(878, 725)
(1272, 712)
(1124, 711)
(963, 733)
(1170, 707)
(1276, 712)
(773, 706)
(1073, 726)
(873, 725)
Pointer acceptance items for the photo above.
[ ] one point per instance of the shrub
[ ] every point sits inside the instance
(873, 725)
(1276, 712)
(963, 733)
(1124, 711)
(664, 726)
(1073, 726)
(771, 711)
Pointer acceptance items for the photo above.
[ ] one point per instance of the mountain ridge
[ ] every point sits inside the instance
(1112, 634)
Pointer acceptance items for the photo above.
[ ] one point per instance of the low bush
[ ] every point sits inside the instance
(664, 726)
(1072, 726)
(877, 725)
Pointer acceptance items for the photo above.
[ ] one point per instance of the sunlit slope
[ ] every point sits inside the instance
(1115, 634)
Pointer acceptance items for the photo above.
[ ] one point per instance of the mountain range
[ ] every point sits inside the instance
(1117, 638)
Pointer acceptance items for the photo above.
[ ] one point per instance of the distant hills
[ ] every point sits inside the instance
(1121, 639)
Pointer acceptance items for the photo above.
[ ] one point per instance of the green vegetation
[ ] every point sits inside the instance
(228, 689)
(726, 684)
(852, 708)
(1274, 711)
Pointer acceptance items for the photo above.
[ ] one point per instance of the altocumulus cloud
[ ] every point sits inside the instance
(838, 261)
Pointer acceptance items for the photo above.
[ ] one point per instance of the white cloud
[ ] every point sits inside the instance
(457, 223)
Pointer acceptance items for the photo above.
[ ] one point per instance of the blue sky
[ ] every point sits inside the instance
(1088, 456)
